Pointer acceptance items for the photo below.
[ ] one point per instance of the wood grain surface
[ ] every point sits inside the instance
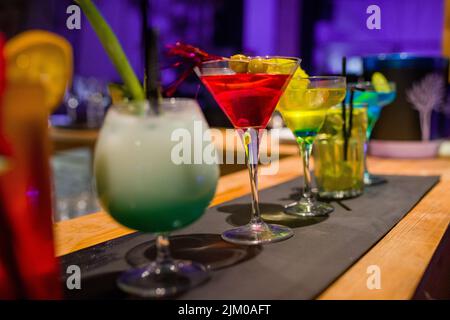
(402, 255)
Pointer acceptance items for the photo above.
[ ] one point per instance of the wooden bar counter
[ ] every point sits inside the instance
(403, 254)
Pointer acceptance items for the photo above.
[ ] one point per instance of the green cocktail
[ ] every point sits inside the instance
(376, 97)
(142, 184)
(140, 180)
(137, 181)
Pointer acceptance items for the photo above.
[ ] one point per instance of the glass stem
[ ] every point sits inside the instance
(366, 147)
(163, 256)
(251, 139)
(305, 151)
(370, 125)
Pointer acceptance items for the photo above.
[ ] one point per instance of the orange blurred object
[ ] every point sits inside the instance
(38, 69)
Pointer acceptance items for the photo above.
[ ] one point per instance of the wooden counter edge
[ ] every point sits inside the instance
(402, 255)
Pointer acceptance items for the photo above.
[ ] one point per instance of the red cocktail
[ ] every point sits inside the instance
(28, 266)
(247, 99)
(248, 90)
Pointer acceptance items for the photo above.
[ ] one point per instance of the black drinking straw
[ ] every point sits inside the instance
(348, 134)
(151, 69)
(344, 115)
(152, 83)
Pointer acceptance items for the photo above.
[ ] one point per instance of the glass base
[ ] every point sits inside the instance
(159, 281)
(339, 195)
(258, 233)
(308, 209)
(372, 180)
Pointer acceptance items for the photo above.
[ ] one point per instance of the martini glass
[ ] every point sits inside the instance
(248, 92)
(304, 107)
(364, 92)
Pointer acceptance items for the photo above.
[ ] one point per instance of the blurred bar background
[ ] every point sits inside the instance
(321, 32)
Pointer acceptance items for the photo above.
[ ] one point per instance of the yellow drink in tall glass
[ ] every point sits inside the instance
(340, 175)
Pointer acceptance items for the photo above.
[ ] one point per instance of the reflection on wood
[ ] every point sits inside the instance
(402, 255)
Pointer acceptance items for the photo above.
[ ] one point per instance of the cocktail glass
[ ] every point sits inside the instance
(143, 187)
(248, 92)
(339, 154)
(304, 106)
(364, 92)
(28, 267)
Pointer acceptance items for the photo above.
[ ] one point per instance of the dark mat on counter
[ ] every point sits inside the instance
(298, 268)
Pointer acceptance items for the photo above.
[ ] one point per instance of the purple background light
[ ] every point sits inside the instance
(91, 59)
(318, 31)
(406, 26)
(271, 27)
(268, 27)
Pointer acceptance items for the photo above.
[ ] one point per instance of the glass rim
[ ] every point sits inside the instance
(368, 83)
(321, 77)
(224, 59)
(347, 105)
(144, 108)
(357, 104)
(164, 100)
(321, 81)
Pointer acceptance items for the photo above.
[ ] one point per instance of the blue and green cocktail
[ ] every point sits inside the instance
(377, 94)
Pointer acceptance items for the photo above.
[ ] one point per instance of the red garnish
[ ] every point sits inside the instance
(188, 57)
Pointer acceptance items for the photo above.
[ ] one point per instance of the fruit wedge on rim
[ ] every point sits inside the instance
(380, 83)
(40, 57)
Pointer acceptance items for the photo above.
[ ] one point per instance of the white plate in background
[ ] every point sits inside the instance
(404, 149)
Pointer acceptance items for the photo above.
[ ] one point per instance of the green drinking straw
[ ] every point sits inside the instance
(113, 49)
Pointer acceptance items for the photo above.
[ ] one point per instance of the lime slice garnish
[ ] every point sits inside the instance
(380, 82)
(300, 73)
(283, 66)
